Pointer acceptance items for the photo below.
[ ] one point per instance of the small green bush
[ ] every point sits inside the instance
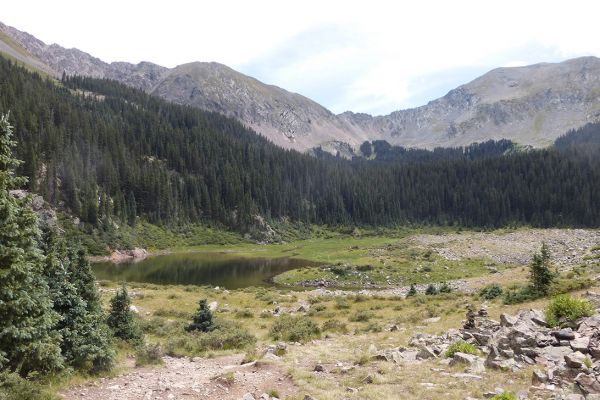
(361, 316)
(333, 325)
(294, 329)
(244, 314)
(150, 354)
(564, 309)
(461, 347)
(522, 295)
(14, 387)
(225, 335)
(445, 288)
(490, 292)
(505, 396)
(431, 290)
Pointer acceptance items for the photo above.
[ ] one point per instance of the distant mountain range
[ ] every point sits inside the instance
(530, 105)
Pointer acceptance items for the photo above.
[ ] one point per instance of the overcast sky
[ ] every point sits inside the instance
(365, 56)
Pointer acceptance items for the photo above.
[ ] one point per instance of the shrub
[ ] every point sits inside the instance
(294, 329)
(361, 316)
(244, 314)
(224, 336)
(333, 325)
(412, 291)
(445, 288)
(490, 292)
(341, 303)
(521, 295)
(431, 290)
(149, 355)
(564, 308)
(461, 347)
(505, 396)
(13, 387)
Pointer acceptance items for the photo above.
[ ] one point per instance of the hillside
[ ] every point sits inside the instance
(531, 105)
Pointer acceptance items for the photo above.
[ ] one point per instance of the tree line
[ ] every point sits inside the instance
(108, 153)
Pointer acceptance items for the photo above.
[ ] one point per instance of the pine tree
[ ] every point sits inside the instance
(28, 344)
(121, 319)
(86, 341)
(412, 291)
(202, 320)
(431, 290)
(540, 274)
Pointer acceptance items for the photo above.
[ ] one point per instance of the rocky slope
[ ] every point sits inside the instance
(530, 105)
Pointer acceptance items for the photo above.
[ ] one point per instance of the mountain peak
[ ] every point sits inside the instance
(531, 105)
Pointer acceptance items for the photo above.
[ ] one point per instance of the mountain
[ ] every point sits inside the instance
(531, 105)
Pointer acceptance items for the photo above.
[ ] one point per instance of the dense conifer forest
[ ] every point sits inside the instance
(106, 152)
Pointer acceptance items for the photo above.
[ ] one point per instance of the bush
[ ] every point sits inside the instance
(149, 355)
(521, 295)
(505, 396)
(294, 329)
(244, 314)
(13, 387)
(361, 316)
(445, 288)
(461, 347)
(224, 336)
(412, 291)
(564, 309)
(333, 325)
(431, 290)
(490, 292)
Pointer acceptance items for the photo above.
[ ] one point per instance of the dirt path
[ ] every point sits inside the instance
(182, 378)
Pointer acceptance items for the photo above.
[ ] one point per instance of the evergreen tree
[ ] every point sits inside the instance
(28, 343)
(202, 320)
(121, 319)
(412, 291)
(431, 290)
(541, 275)
(86, 343)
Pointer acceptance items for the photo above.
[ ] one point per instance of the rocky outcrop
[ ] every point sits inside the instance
(134, 255)
(566, 360)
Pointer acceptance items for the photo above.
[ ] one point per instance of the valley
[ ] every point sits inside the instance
(190, 232)
(351, 322)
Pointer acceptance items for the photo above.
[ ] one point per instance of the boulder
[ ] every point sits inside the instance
(508, 320)
(425, 353)
(588, 383)
(575, 360)
(564, 334)
(580, 344)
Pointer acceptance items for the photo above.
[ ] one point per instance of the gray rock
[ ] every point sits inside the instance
(425, 353)
(508, 320)
(580, 344)
(564, 334)
(575, 360)
(248, 396)
(588, 383)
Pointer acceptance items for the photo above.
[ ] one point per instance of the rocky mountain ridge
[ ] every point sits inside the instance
(530, 105)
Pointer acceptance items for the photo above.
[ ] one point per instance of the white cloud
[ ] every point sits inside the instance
(374, 56)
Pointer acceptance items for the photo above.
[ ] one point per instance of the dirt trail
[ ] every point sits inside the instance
(182, 378)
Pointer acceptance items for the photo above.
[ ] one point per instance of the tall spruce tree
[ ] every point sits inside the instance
(541, 274)
(28, 343)
(86, 343)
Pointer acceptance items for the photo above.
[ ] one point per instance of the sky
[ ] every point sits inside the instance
(364, 56)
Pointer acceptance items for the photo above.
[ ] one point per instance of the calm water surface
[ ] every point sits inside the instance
(215, 269)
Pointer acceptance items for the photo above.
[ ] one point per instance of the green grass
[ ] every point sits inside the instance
(461, 347)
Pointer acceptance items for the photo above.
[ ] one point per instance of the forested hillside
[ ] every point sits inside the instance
(106, 152)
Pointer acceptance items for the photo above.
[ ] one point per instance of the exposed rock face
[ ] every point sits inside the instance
(530, 105)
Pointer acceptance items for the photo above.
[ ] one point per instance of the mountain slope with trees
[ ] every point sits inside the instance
(108, 153)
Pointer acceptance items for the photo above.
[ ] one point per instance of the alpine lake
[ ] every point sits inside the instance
(204, 269)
